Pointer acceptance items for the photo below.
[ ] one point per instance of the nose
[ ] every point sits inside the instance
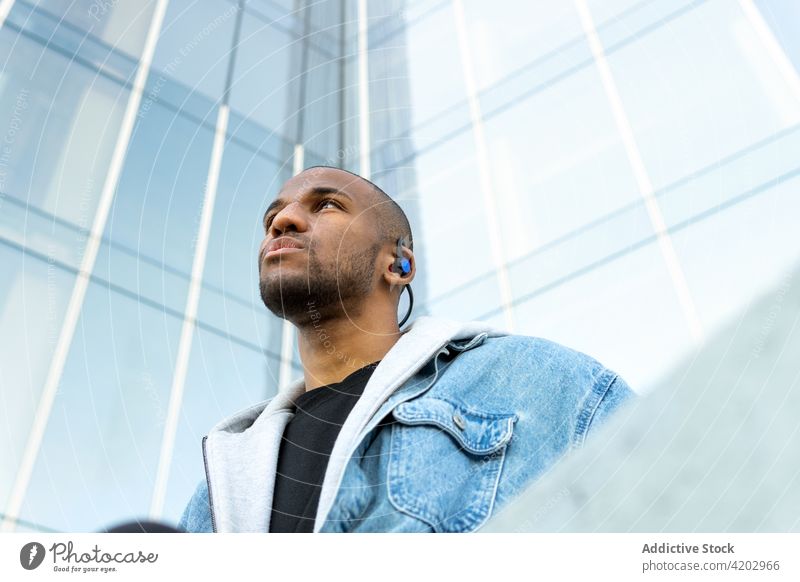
(290, 217)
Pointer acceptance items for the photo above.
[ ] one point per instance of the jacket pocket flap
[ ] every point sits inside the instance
(477, 432)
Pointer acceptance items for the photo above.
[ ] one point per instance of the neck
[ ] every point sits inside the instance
(332, 348)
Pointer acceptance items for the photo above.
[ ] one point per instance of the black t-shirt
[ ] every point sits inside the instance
(306, 447)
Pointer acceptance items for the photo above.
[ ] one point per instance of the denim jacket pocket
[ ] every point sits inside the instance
(445, 462)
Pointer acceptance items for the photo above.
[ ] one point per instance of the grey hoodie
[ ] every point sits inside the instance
(241, 452)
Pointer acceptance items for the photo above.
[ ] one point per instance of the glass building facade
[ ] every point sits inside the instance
(618, 176)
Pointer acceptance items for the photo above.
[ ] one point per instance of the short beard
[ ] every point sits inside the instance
(325, 289)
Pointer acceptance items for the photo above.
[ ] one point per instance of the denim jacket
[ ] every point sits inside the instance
(479, 415)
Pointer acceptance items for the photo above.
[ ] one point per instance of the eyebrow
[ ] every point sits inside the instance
(315, 192)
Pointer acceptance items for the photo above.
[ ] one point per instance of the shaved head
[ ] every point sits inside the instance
(391, 221)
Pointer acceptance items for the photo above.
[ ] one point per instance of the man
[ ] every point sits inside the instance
(433, 428)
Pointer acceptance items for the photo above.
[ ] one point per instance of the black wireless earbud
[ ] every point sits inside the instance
(402, 266)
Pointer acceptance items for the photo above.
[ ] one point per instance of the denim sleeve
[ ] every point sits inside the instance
(617, 395)
(196, 517)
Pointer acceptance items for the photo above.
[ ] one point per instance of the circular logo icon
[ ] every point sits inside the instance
(31, 555)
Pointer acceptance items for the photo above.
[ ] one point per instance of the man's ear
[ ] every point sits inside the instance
(394, 279)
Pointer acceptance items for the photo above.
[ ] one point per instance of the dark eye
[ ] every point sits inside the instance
(322, 204)
(327, 201)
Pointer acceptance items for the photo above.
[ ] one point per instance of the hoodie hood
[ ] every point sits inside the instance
(241, 452)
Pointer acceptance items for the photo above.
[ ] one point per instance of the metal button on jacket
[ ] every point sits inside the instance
(459, 421)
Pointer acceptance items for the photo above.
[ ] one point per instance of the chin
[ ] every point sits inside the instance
(286, 299)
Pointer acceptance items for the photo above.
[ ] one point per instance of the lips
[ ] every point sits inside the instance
(281, 245)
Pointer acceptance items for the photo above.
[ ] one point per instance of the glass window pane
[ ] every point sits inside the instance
(603, 311)
(64, 120)
(100, 451)
(194, 46)
(782, 17)
(158, 203)
(557, 162)
(121, 24)
(500, 45)
(455, 249)
(261, 84)
(33, 299)
(432, 48)
(690, 107)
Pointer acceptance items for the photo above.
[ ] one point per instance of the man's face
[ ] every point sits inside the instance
(320, 247)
